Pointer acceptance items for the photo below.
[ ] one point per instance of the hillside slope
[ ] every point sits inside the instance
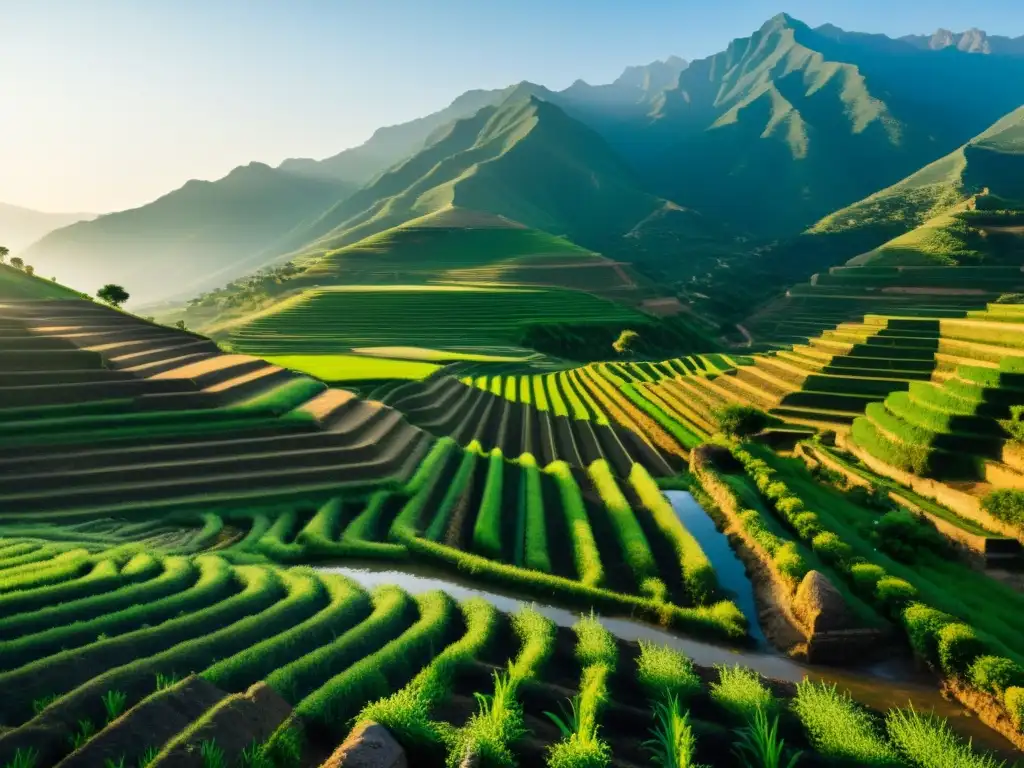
(20, 227)
(526, 160)
(16, 285)
(191, 239)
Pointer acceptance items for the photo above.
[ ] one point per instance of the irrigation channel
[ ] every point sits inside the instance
(894, 682)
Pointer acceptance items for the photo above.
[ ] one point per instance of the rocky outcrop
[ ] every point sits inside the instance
(820, 606)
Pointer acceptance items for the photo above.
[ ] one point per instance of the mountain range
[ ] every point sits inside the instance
(675, 166)
(20, 227)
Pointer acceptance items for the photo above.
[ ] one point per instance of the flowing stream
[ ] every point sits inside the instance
(732, 575)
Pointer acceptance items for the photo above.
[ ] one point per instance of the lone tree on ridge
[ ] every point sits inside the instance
(626, 342)
(17, 262)
(4, 253)
(113, 294)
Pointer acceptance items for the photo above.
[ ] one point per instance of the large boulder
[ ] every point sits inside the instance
(368, 746)
(820, 606)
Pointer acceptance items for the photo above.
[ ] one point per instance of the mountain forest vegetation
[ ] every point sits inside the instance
(677, 421)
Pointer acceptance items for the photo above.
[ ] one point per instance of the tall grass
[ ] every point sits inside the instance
(837, 727)
(741, 692)
(672, 743)
(927, 742)
(665, 672)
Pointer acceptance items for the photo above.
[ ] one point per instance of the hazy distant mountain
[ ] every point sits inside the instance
(198, 236)
(20, 227)
(971, 41)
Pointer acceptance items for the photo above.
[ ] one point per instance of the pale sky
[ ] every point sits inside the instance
(108, 104)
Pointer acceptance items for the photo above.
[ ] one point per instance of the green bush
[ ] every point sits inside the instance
(831, 548)
(806, 524)
(1010, 298)
(923, 625)
(741, 420)
(959, 645)
(1005, 504)
(789, 562)
(994, 674)
(1013, 698)
(790, 506)
(866, 577)
(894, 593)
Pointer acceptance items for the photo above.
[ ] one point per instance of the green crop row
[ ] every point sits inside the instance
(584, 393)
(586, 556)
(406, 713)
(698, 574)
(487, 529)
(648, 401)
(555, 396)
(129, 607)
(435, 531)
(540, 398)
(579, 411)
(377, 674)
(347, 606)
(392, 613)
(636, 549)
(535, 536)
(583, 746)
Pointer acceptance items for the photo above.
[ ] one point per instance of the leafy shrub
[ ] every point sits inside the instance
(831, 548)
(806, 525)
(741, 420)
(1010, 298)
(894, 593)
(959, 645)
(866, 576)
(740, 691)
(776, 491)
(1005, 504)
(790, 506)
(1013, 698)
(789, 562)
(875, 497)
(923, 625)
(994, 674)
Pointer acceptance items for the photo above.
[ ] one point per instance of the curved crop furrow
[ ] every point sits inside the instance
(383, 671)
(221, 594)
(348, 606)
(66, 566)
(393, 612)
(586, 558)
(267, 603)
(81, 600)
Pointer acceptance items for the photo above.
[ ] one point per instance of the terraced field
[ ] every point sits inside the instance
(845, 294)
(324, 321)
(161, 501)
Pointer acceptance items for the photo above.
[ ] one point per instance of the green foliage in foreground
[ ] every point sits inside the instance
(927, 742)
(673, 743)
(838, 727)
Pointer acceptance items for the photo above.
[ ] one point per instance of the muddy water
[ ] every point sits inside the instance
(732, 575)
(892, 683)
